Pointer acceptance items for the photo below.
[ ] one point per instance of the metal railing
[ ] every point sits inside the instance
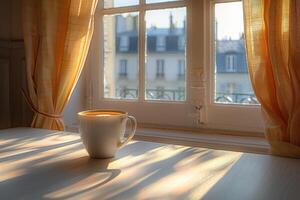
(179, 95)
(152, 94)
(236, 98)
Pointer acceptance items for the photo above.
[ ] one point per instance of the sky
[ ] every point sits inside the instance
(229, 17)
(161, 18)
(120, 3)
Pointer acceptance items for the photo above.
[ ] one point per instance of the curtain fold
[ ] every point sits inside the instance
(57, 35)
(272, 30)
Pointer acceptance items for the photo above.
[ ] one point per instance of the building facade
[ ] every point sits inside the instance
(165, 69)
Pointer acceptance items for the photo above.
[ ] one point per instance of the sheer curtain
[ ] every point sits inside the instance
(272, 29)
(57, 35)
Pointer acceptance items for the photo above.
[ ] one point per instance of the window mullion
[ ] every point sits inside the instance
(142, 43)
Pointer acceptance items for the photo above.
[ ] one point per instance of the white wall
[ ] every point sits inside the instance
(76, 104)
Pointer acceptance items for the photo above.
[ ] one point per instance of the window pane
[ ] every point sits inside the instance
(119, 3)
(159, 1)
(165, 60)
(232, 81)
(121, 56)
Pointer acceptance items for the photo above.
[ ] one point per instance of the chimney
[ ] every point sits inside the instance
(171, 23)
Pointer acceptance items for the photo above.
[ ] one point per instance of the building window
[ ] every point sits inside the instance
(181, 69)
(181, 43)
(160, 68)
(230, 63)
(123, 68)
(160, 43)
(124, 43)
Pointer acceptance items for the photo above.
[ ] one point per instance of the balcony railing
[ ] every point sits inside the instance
(179, 95)
(236, 98)
(152, 94)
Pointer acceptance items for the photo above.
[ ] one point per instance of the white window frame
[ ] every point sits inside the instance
(225, 116)
(200, 59)
(185, 115)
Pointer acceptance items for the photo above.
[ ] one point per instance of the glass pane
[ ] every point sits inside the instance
(165, 55)
(119, 3)
(232, 81)
(159, 1)
(121, 56)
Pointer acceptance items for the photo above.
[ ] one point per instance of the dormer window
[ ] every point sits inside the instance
(160, 43)
(230, 63)
(124, 43)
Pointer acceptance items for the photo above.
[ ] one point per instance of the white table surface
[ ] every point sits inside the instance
(43, 164)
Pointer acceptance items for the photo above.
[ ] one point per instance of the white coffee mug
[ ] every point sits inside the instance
(102, 131)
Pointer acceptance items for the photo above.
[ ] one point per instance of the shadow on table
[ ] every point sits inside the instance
(40, 180)
(141, 170)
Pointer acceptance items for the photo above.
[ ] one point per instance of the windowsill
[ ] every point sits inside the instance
(255, 143)
(251, 144)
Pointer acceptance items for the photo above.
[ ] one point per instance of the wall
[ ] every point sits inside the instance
(12, 53)
(5, 7)
(76, 104)
(10, 20)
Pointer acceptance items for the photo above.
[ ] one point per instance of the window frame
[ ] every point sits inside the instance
(219, 115)
(141, 9)
(184, 113)
(199, 109)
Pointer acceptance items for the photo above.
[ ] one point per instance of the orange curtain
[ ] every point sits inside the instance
(272, 29)
(57, 35)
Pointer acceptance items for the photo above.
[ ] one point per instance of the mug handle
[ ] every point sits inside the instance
(132, 132)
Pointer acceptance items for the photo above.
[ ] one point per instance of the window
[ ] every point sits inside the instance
(120, 46)
(181, 69)
(162, 29)
(170, 24)
(174, 64)
(160, 43)
(123, 68)
(151, 35)
(230, 54)
(160, 68)
(124, 43)
(230, 63)
(231, 100)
